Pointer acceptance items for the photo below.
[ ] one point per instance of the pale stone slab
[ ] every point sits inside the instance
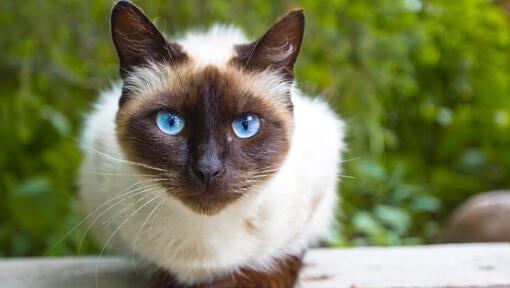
(438, 266)
(69, 272)
(466, 265)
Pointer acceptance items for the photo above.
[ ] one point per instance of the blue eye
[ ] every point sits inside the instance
(246, 125)
(169, 123)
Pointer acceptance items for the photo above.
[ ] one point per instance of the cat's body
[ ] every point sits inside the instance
(279, 211)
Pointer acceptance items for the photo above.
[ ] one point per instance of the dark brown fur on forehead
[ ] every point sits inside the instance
(208, 100)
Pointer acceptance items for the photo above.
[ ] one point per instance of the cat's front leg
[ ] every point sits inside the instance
(283, 275)
(164, 279)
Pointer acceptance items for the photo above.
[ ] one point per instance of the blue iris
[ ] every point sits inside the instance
(246, 125)
(169, 122)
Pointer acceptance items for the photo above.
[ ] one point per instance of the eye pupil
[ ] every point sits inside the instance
(245, 124)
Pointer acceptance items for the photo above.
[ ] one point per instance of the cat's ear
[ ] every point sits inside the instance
(137, 40)
(278, 48)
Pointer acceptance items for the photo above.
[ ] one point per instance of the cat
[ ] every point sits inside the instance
(207, 161)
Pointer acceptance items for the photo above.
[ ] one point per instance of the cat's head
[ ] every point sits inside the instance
(212, 125)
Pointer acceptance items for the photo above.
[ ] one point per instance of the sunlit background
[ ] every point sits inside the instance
(423, 84)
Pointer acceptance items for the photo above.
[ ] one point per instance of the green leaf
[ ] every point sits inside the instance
(33, 206)
(396, 218)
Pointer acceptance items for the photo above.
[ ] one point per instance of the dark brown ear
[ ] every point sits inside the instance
(137, 40)
(278, 48)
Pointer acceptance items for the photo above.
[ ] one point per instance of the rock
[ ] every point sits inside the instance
(482, 218)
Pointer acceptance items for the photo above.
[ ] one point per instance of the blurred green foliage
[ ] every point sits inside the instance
(423, 84)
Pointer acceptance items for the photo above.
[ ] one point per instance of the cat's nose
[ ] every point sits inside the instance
(207, 169)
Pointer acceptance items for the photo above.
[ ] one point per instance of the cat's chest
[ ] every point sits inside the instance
(195, 240)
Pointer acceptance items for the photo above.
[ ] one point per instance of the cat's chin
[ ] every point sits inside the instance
(208, 203)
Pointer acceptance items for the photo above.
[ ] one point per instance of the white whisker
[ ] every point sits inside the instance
(346, 176)
(125, 221)
(119, 200)
(122, 194)
(121, 225)
(351, 159)
(110, 157)
(118, 174)
(140, 230)
(147, 192)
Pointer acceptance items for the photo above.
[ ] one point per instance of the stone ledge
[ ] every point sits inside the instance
(452, 266)
(466, 265)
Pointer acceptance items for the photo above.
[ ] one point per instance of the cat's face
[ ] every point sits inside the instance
(211, 134)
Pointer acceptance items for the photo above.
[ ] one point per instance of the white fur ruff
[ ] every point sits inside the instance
(196, 247)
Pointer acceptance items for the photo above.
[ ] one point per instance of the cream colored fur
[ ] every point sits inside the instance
(292, 211)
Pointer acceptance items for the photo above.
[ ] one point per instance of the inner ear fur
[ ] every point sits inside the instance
(137, 40)
(278, 48)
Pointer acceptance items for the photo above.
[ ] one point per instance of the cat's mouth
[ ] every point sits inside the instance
(208, 195)
(208, 202)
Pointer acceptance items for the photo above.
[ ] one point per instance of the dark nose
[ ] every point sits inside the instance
(207, 168)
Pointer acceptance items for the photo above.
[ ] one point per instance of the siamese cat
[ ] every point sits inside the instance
(207, 161)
